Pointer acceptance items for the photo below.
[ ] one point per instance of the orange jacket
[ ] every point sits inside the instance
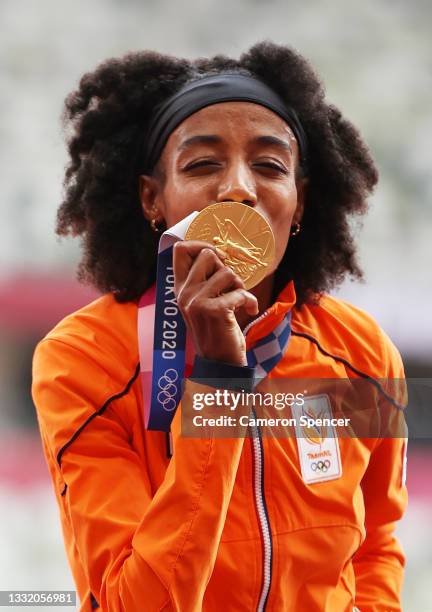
(145, 532)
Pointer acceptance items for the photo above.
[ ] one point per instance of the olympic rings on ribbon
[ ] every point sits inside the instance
(168, 392)
(320, 466)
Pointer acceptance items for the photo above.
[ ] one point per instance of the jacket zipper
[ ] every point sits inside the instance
(263, 519)
(260, 503)
(252, 323)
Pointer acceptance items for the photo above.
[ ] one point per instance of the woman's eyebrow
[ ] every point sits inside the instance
(200, 139)
(214, 139)
(273, 140)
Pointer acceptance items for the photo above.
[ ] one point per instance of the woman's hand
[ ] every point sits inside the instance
(208, 294)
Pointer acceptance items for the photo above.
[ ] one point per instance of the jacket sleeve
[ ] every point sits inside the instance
(379, 562)
(137, 550)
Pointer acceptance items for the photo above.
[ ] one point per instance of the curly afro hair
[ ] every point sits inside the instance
(106, 118)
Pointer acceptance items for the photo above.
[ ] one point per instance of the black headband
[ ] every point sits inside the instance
(209, 90)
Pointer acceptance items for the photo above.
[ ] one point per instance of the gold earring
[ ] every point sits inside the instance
(297, 229)
(154, 227)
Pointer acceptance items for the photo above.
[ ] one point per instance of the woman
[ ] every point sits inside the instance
(236, 523)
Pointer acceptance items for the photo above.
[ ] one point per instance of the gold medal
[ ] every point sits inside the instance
(242, 233)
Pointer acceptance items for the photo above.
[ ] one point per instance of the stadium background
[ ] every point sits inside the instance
(374, 57)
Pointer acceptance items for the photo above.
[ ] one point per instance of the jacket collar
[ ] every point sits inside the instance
(273, 315)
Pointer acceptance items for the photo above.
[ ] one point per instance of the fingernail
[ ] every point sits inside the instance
(220, 253)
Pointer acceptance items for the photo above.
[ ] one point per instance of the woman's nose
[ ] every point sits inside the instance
(237, 186)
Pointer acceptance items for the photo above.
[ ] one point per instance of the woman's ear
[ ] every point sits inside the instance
(302, 185)
(149, 194)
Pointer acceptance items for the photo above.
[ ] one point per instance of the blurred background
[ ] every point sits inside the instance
(375, 58)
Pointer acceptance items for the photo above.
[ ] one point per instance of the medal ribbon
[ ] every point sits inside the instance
(162, 337)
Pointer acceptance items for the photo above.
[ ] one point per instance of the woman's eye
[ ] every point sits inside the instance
(202, 163)
(272, 166)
